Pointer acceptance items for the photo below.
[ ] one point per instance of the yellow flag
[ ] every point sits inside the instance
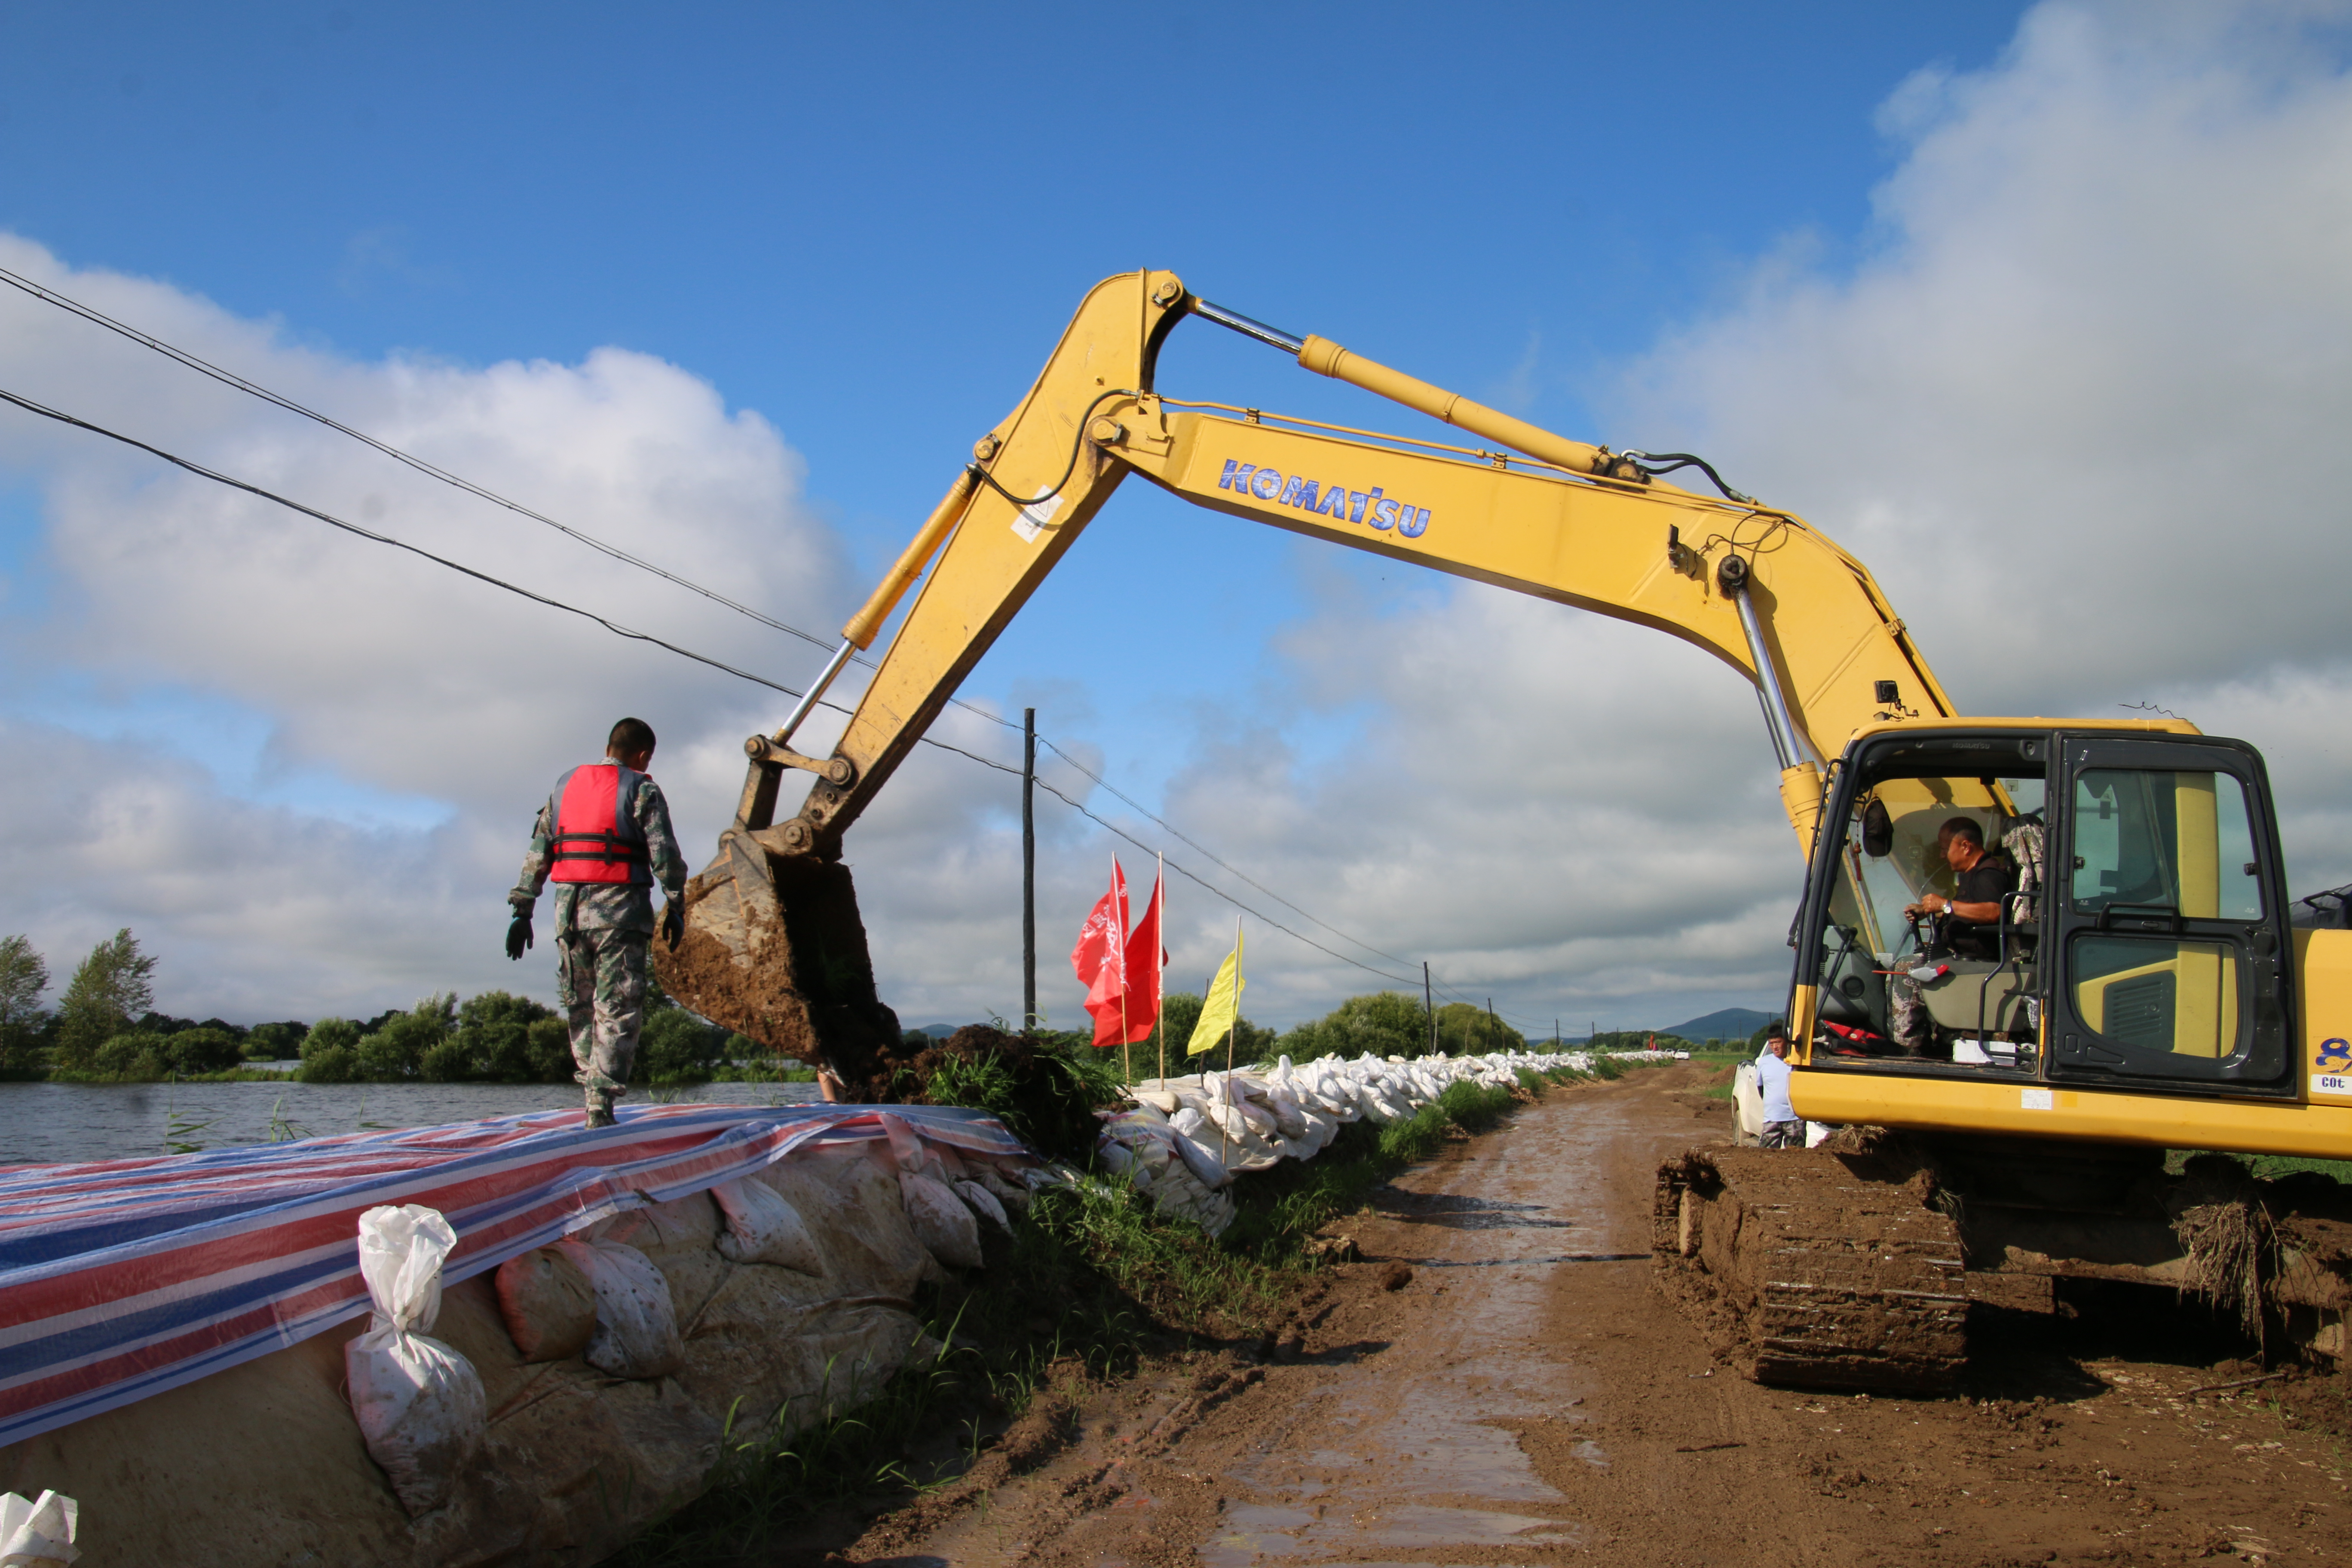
(1225, 1002)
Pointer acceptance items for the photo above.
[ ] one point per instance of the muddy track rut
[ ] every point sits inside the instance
(1502, 1382)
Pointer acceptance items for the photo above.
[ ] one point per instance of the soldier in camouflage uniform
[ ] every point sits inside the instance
(603, 837)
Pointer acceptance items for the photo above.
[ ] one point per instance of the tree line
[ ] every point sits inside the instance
(105, 1028)
(1384, 1023)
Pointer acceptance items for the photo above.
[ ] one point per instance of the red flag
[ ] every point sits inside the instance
(1099, 960)
(1147, 961)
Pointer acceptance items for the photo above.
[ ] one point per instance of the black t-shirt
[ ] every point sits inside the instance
(1982, 883)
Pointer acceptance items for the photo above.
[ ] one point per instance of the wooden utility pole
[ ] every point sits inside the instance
(1028, 868)
(1429, 1003)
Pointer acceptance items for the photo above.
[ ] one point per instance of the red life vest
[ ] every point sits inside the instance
(594, 841)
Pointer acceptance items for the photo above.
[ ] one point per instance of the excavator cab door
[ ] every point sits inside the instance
(2166, 912)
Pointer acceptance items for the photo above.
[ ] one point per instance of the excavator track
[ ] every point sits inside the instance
(1815, 1275)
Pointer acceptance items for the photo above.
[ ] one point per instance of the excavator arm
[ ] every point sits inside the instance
(774, 946)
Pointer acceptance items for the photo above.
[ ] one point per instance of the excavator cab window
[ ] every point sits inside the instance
(1941, 990)
(2174, 937)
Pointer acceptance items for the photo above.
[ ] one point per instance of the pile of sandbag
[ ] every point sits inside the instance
(1184, 1139)
(552, 1406)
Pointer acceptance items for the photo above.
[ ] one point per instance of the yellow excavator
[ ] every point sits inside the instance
(2146, 986)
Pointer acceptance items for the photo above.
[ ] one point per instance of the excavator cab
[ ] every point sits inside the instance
(2142, 942)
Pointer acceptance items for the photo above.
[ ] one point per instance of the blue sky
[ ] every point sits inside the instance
(870, 222)
(864, 227)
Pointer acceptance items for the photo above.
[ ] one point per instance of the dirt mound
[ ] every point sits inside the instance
(775, 950)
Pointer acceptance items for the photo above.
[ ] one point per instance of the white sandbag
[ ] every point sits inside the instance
(419, 1403)
(1240, 1145)
(636, 1326)
(906, 1143)
(1010, 1194)
(763, 1227)
(39, 1533)
(1289, 1116)
(982, 1203)
(942, 1223)
(1747, 1106)
(1196, 1140)
(548, 1304)
(1180, 1196)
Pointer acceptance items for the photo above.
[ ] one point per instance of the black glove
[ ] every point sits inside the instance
(673, 926)
(519, 933)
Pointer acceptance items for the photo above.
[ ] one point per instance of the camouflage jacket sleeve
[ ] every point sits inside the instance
(536, 862)
(652, 814)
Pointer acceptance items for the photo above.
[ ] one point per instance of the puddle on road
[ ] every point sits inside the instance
(1456, 1212)
(1254, 1533)
(1522, 1262)
(1410, 1459)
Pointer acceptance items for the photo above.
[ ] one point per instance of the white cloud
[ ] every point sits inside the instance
(2080, 408)
(361, 664)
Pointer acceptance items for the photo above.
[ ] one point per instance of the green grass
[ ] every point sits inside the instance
(1277, 1210)
(1046, 1094)
(2268, 1167)
(782, 1069)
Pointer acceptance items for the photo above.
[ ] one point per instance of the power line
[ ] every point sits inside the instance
(230, 378)
(618, 630)
(1204, 849)
(246, 384)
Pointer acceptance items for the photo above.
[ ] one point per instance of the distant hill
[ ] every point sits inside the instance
(1728, 1024)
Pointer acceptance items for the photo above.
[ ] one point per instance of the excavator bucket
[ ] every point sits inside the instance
(774, 949)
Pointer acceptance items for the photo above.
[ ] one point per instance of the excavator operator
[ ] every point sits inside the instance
(1982, 878)
(1966, 923)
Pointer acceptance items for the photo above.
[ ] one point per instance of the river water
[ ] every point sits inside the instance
(51, 1123)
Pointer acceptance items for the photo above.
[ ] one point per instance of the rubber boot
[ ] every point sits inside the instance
(600, 1109)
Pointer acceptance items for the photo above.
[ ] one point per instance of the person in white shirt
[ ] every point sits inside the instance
(1782, 1128)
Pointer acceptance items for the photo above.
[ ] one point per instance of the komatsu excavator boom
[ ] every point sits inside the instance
(2148, 989)
(774, 948)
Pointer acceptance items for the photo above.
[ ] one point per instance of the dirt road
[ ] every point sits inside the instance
(1523, 1394)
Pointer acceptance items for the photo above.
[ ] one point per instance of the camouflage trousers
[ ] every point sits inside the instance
(1908, 1018)
(601, 972)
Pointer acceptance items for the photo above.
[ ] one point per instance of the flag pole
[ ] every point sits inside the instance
(1160, 971)
(1028, 870)
(1233, 1025)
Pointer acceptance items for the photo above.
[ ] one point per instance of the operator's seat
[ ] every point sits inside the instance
(2024, 839)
